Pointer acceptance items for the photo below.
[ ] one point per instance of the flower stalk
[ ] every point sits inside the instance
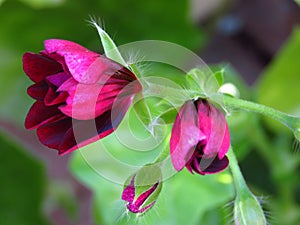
(247, 209)
(292, 122)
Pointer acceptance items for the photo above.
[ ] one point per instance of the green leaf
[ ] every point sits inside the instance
(42, 3)
(22, 186)
(219, 75)
(298, 2)
(1, 2)
(278, 86)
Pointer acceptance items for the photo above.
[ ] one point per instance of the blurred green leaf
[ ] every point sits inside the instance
(22, 186)
(298, 2)
(42, 3)
(278, 86)
(219, 75)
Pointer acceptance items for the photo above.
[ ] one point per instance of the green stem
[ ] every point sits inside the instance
(135, 70)
(291, 122)
(239, 181)
(286, 119)
(165, 151)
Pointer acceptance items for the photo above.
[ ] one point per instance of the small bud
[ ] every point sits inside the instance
(230, 89)
(141, 190)
(248, 211)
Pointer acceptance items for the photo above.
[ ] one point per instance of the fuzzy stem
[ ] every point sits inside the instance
(239, 182)
(286, 119)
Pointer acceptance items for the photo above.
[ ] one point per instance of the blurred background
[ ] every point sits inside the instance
(256, 41)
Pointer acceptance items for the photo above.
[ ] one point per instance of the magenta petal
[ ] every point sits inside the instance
(81, 104)
(135, 206)
(37, 67)
(56, 45)
(225, 144)
(129, 192)
(145, 195)
(40, 114)
(84, 65)
(84, 105)
(58, 79)
(185, 135)
(213, 123)
(134, 209)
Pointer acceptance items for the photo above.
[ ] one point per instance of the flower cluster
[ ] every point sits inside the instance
(82, 96)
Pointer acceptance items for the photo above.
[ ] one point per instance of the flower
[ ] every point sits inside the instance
(200, 138)
(77, 91)
(142, 189)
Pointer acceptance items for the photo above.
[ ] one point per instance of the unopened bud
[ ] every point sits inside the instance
(141, 190)
(248, 211)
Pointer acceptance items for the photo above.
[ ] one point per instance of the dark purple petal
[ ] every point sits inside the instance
(39, 114)
(38, 90)
(53, 98)
(68, 135)
(52, 134)
(211, 166)
(37, 66)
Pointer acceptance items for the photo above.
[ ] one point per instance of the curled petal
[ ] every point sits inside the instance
(38, 91)
(37, 66)
(185, 135)
(209, 165)
(40, 114)
(213, 123)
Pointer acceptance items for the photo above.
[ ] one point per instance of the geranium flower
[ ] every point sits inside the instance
(81, 96)
(200, 138)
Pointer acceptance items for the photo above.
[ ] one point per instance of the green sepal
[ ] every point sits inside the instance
(248, 211)
(110, 49)
(145, 179)
(219, 75)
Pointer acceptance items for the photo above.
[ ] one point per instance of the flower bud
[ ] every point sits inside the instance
(247, 210)
(141, 190)
(200, 138)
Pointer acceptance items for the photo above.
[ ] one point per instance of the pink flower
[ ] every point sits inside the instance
(200, 138)
(76, 90)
